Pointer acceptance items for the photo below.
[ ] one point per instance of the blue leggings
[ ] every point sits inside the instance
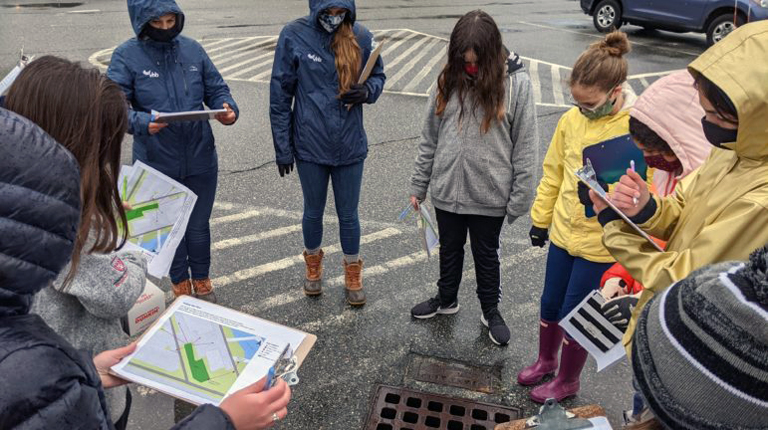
(346, 182)
(194, 251)
(567, 281)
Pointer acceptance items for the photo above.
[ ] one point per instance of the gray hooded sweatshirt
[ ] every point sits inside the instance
(472, 173)
(87, 312)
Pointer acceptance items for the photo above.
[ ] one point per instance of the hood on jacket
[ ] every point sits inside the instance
(737, 66)
(670, 107)
(143, 11)
(39, 211)
(316, 7)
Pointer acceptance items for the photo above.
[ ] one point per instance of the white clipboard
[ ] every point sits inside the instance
(587, 175)
(195, 115)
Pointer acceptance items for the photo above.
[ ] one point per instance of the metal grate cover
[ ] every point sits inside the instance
(485, 379)
(399, 408)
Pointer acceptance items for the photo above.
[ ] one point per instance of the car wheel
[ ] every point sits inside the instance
(607, 16)
(721, 27)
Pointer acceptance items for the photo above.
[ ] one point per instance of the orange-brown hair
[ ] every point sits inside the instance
(476, 31)
(87, 114)
(348, 57)
(603, 64)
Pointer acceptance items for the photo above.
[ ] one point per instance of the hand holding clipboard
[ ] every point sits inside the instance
(587, 175)
(366, 73)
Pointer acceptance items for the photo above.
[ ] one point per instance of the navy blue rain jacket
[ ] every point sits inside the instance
(168, 77)
(308, 120)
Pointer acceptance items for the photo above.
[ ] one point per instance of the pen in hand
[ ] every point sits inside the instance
(632, 167)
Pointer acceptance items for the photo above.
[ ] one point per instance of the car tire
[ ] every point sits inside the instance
(607, 16)
(721, 26)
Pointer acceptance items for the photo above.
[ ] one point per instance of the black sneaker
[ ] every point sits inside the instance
(432, 307)
(497, 328)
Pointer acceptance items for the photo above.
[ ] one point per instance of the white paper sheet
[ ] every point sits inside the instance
(160, 212)
(429, 237)
(587, 325)
(201, 352)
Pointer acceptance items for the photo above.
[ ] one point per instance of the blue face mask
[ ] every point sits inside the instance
(331, 23)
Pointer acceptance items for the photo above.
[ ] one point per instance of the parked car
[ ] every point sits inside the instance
(716, 18)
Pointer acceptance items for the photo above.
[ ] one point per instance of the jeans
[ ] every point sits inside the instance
(194, 251)
(346, 181)
(484, 232)
(567, 281)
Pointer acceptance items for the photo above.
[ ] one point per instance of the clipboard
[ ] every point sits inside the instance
(369, 65)
(193, 115)
(299, 353)
(587, 175)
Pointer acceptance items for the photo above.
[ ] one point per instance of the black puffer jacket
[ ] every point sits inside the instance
(45, 383)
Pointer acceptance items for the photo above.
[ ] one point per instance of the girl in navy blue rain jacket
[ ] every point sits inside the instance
(317, 121)
(163, 71)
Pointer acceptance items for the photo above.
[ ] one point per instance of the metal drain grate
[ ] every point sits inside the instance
(485, 379)
(398, 408)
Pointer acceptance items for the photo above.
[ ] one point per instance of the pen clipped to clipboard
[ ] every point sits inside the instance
(587, 175)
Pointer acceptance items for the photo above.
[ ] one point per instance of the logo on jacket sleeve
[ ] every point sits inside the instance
(315, 58)
(151, 74)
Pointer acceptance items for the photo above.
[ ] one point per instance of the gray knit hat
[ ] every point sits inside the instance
(700, 352)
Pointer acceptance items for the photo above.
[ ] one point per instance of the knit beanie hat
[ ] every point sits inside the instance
(700, 353)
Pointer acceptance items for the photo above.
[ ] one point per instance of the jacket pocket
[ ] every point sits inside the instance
(486, 181)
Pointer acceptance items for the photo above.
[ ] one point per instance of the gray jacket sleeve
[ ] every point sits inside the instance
(422, 171)
(525, 141)
(108, 285)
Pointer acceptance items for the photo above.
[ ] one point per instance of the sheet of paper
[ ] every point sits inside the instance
(160, 212)
(600, 423)
(587, 325)
(197, 115)
(201, 352)
(430, 239)
(13, 74)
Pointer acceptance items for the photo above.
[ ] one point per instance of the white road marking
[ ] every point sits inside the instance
(426, 70)
(236, 217)
(557, 86)
(243, 63)
(229, 243)
(533, 71)
(407, 53)
(411, 64)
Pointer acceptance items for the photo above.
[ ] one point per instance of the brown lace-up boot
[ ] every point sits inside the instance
(183, 288)
(314, 277)
(204, 289)
(353, 281)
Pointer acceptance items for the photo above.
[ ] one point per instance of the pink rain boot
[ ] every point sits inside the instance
(550, 338)
(566, 383)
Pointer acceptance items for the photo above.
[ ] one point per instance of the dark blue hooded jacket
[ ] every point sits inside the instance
(46, 383)
(308, 121)
(168, 77)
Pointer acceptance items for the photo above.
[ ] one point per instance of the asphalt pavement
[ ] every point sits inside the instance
(256, 221)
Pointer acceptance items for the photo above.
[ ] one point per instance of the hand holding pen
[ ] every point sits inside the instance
(631, 193)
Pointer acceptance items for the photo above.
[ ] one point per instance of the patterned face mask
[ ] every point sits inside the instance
(331, 22)
(659, 162)
(599, 112)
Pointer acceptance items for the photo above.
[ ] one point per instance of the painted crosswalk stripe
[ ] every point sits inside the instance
(263, 74)
(229, 45)
(390, 48)
(247, 48)
(236, 217)
(258, 66)
(215, 42)
(644, 82)
(243, 63)
(533, 69)
(411, 87)
(411, 64)
(407, 52)
(557, 85)
(229, 243)
(397, 263)
(251, 51)
(287, 262)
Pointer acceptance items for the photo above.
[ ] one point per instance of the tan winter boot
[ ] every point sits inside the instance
(353, 281)
(313, 280)
(183, 288)
(204, 290)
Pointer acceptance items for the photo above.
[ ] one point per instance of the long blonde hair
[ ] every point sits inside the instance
(348, 58)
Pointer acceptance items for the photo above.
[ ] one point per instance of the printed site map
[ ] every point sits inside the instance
(197, 356)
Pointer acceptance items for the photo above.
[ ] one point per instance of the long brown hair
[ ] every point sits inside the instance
(476, 31)
(86, 113)
(603, 64)
(348, 57)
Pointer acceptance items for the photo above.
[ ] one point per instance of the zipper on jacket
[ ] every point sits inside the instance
(183, 72)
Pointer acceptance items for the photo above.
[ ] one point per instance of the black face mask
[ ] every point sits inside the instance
(717, 135)
(159, 35)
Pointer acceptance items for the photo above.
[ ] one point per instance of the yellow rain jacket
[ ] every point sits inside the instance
(557, 205)
(720, 212)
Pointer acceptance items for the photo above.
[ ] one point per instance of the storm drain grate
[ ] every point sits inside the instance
(398, 408)
(485, 379)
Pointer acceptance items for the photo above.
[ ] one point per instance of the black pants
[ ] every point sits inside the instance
(484, 232)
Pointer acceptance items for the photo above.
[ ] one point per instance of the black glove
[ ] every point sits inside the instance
(357, 94)
(584, 192)
(619, 311)
(284, 169)
(539, 236)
